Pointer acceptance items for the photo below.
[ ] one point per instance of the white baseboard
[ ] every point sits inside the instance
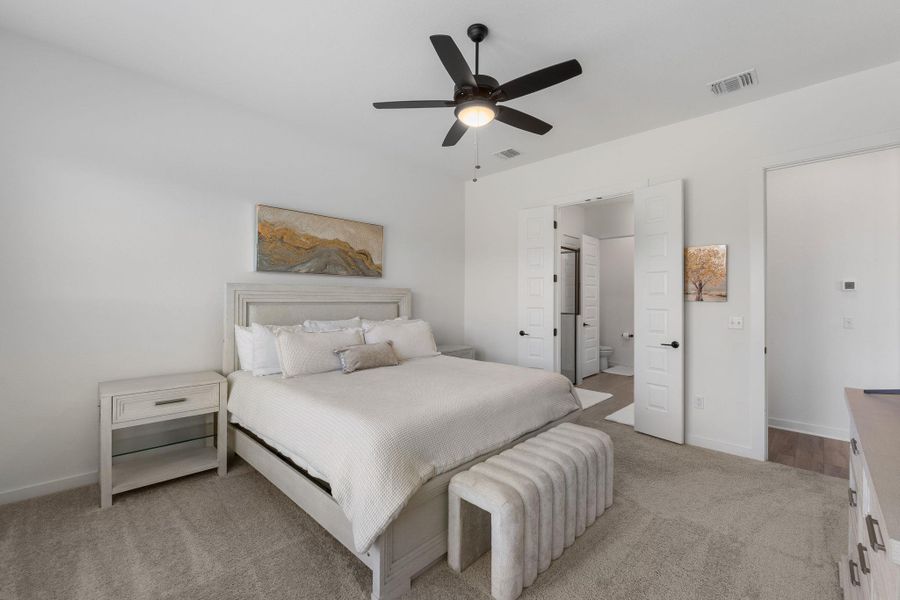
(834, 433)
(48, 487)
(720, 446)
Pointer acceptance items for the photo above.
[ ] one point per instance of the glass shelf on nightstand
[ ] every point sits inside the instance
(154, 440)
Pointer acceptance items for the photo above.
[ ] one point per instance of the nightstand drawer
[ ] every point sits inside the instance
(147, 405)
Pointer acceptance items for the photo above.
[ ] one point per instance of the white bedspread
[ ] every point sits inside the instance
(378, 435)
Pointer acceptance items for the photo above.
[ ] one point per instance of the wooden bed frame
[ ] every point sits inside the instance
(417, 538)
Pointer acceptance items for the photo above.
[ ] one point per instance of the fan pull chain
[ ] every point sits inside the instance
(477, 164)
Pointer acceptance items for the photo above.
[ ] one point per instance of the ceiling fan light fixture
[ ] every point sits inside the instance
(476, 113)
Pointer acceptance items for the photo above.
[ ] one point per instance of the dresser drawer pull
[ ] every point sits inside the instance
(172, 401)
(854, 446)
(863, 562)
(854, 573)
(852, 494)
(871, 524)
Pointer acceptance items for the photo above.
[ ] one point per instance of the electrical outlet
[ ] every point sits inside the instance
(699, 402)
(848, 323)
(735, 322)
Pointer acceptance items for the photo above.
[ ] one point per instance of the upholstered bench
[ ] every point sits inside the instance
(528, 503)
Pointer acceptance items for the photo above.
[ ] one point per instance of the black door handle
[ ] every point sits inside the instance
(672, 345)
(523, 333)
(585, 324)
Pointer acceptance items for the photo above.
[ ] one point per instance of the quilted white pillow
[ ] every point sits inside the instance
(314, 326)
(411, 339)
(265, 348)
(307, 353)
(243, 342)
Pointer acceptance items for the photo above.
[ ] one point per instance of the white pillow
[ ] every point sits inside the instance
(317, 326)
(243, 343)
(307, 353)
(368, 324)
(411, 339)
(265, 349)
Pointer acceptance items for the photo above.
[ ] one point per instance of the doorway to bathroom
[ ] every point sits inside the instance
(648, 221)
(596, 294)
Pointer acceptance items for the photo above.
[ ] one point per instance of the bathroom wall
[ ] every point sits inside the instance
(617, 298)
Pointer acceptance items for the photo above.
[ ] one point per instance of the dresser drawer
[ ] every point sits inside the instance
(149, 405)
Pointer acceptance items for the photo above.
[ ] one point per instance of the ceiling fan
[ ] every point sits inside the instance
(476, 96)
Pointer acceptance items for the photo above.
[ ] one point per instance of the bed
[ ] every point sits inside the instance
(379, 486)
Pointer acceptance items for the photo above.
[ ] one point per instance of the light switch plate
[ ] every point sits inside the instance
(735, 322)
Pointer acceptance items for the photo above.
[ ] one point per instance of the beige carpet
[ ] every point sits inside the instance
(686, 524)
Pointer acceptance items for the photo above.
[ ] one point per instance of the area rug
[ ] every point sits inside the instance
(624, 416)
(591, 398)
(620, 370)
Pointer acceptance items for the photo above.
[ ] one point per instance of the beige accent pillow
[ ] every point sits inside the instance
(367, 356)
(306, 353)
(412, 339)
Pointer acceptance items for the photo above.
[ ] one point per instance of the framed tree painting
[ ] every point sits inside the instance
(290, 241)
(706, 274)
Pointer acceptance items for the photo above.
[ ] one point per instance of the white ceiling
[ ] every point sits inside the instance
(321, 64)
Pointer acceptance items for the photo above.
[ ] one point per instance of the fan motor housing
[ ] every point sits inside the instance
(486, 86)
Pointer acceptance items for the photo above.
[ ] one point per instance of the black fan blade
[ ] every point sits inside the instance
(455, 133)
(453, 60)
(517, 118)
(539, 80)
(415, 104)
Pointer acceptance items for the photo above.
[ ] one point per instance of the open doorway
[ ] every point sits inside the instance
(653, 216)
(832, 292)
(596, 300)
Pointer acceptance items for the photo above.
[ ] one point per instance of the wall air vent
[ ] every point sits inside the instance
(734, 83)
(507, 154)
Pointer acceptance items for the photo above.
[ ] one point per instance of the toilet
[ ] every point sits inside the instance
(605, 353)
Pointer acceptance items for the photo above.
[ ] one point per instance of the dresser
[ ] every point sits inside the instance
(871, 567)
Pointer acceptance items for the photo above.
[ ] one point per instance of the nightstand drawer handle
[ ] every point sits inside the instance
(172, 401)
(854, 446)
(852, 494)
(871, 524)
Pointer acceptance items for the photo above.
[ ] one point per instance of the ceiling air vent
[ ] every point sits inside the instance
(734, 83)
(507, 154)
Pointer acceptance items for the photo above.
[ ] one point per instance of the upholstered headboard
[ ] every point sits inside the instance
(268, 304)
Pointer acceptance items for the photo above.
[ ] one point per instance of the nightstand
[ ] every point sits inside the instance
(155, 454)
(459, 351)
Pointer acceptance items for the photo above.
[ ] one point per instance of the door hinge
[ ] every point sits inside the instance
(555, 224)
(554, 332)
(554, 278)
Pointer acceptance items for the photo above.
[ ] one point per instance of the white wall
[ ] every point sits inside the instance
(722, 158)
(617, 298)
(610, 219)
(571, 221)
(829, 221)
(125, 207)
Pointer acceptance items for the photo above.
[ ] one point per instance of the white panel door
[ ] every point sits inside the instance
(659, 311)
(537, 254)
(589, 340)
